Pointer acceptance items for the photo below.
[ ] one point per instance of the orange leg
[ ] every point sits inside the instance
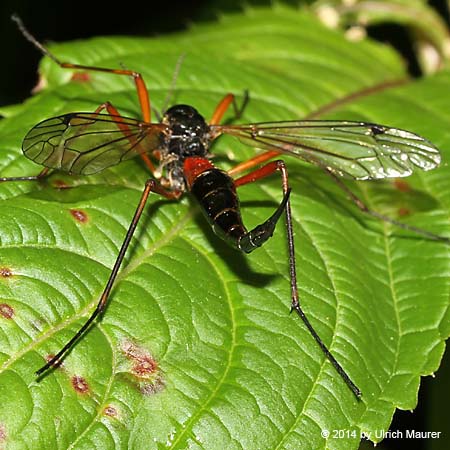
(221, 109)
(144, 99)
(252, 162)
(141, 88)
(224, 104)
(265, 171)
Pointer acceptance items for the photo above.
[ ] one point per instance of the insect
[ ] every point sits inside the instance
(176, 151)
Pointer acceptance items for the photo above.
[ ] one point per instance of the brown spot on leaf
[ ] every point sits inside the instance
(110, 410)
(80, 384)
(61, 184)
(404, 212)
(143, 363)
(6, 311)
(145, 367)
(5, 272)
(79, 215)
(402, 185)
(145, 371)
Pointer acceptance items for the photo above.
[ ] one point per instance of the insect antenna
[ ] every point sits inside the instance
(173, 82)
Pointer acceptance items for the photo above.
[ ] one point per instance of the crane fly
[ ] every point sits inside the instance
(176, 152)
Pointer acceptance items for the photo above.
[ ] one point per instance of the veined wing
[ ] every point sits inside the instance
(359, 150)
(86, 143)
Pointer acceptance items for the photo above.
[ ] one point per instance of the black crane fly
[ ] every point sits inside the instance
(84, 143)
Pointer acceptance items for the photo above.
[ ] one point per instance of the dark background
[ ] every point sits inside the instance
(66, 20)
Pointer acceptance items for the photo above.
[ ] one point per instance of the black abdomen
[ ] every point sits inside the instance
(216, 193)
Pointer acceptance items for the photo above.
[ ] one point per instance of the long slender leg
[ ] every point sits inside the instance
(141, 88)
(256, 175)
(150, 186)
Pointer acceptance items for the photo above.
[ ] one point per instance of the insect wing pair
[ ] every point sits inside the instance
(86, 143)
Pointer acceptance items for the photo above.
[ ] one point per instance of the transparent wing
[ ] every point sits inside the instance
(359, 150)
(86, 143)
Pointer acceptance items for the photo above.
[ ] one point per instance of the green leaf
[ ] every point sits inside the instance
(197, 348)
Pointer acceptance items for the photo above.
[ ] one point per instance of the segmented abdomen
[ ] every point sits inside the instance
(216, 193)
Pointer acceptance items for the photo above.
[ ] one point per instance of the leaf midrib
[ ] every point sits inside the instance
(199, 410)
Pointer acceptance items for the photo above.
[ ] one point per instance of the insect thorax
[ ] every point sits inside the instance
(188, 136)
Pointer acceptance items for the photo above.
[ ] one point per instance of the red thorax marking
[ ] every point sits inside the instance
(193, 167)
